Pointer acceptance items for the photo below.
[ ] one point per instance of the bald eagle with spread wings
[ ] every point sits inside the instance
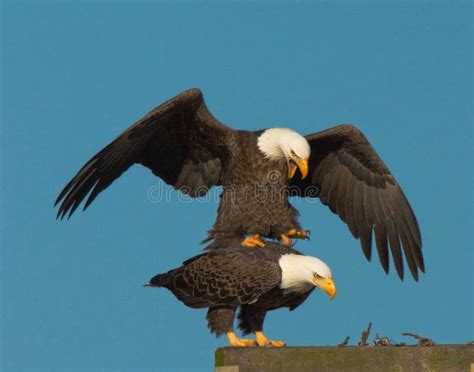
(181, 142)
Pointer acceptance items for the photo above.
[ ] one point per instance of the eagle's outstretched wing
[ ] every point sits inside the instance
(180, 141)
(349, 177)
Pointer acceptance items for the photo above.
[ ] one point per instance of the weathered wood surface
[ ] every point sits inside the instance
(442, 358)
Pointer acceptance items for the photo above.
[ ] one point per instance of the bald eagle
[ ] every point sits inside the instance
(183, 144)
(252, 279)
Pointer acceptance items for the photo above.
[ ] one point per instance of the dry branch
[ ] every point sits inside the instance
(365, 335)
(382, 341)
(422, 341)
(345, 342)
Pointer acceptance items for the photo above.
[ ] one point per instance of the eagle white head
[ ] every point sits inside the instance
(284, 143)
(300, 273)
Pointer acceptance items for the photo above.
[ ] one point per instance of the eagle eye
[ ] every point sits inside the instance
(293, 153)
(316, 276)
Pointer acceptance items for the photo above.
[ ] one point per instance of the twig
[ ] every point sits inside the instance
(365, 335)
(422, 341)
(345, 342)
(382, 341)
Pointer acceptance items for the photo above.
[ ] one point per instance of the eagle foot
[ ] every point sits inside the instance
(294, 234)
(253, 241)
(262, 340)
(242, 342)
(298, 234)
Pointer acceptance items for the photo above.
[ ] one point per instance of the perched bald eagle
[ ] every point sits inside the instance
(182, 143)
(252, 279)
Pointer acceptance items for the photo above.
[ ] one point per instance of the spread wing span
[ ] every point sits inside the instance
(180, 141)
(348, 176)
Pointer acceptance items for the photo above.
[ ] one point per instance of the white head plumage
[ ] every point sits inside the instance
(278, 143)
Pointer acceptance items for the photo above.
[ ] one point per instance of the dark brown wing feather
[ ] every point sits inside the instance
(355, 183)
(180, 141)
(230, 277)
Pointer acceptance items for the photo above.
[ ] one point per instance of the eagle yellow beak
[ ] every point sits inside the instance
(295, 162)
(327, 285)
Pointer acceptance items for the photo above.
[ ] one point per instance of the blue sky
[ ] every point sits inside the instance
(75, 74)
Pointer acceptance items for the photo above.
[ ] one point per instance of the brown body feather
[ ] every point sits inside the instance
(254, 198)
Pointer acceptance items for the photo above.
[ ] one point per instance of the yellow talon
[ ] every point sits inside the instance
(298, 234)
(242, 342)
(262, 340)
(253, 241)
(285, 239)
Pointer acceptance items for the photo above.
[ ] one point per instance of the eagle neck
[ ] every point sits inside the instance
(294, 274)
(269, 144)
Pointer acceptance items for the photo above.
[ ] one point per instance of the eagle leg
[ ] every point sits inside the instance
(262, 340)
(253, 241)
(235, 341)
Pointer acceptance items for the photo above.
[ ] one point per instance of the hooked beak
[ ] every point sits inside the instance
(327, 285)
(297, 162)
